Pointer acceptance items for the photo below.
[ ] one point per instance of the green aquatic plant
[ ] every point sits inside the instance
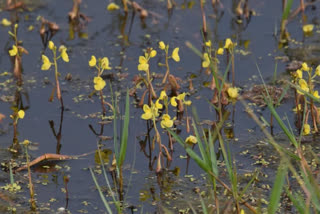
(46, 64)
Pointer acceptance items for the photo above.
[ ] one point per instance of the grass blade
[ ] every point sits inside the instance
(125, 131)
(277, 188)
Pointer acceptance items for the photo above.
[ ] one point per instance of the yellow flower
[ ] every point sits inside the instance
(105, 63)
(162, 46)
(143, 67)
(149, 113)
(306, 129)
(153, 53)
(163, 95)
(51, 45)
(5, 22)
(93, 61)
(303, 85)
(112, 6)
(46, 64)
(166, 121)
(143, 60)
(208, 43)
(173, 101)
(308, 28)
(99, 83)
(317, 72)
(242, 211)
(175, 55)
(206, 61)
(21, 114)
(316, 94)
(299, 74)
(64, 53)
(228, 44)
(191, 140)
(13, 51)
(158, 104)
(233, 92)
(220, 51)
(143, 64)
(305, 67)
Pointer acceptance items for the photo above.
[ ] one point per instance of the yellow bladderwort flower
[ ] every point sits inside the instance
(46, 64)
(208, 43)
(105, 63)
(175, 55)
(317, 72)
(166, 121)
(233, 92)
(51, 45)
(162, 46)
(308, 28)
(99, 83)
(93, 61)
(303, 85)
(242, 211)
(173, 101)
(228, 44)
(220, 51)
(316, 94)
(180, 97)
(158, 104)
(299, 74)
(305, 67)
(143, 64)
(149, 112)
(191, 140)
(21, 114)
(306, 129)
(206, 61)
(163, 95)
(153, 53)
(13, 51)
(64, 53)
(112, 6)
(5, 22)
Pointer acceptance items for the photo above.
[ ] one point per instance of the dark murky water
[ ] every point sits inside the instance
(104, 39)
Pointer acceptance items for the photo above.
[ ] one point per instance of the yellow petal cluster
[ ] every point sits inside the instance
(307, 28)
(191, 140)
(13, 51)
(208, 43)
(228, 44)
(149, 112)
(21, 114)
(99, 83)
(305, 67)
(5, 22)
(143, 64)
(46, 64)
(113, 6)
(162, 46)
(166, 121)
(64, 53)
(180, 97)
(175, 55)
(220, 51)
(105, 63)
(306, 129)
(206, 61)
(51, 45)
(233, 92)
(303, 85)
(93, 61)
